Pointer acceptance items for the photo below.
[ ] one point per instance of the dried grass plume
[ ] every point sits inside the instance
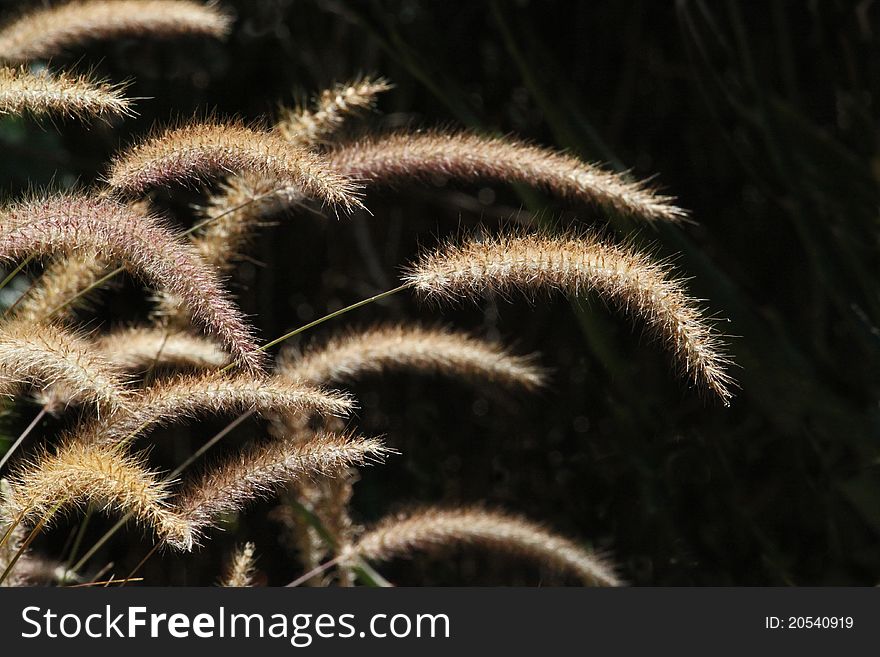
(257, 472)
(199, 151)
(41, 93)
(402, 156)
(402, 347)
(78, 474)
(71, 223)
(240, 572)
(434, 530)
(49, 31)
(45, 354)
(310, 126)
(620, 275)
(187, 396)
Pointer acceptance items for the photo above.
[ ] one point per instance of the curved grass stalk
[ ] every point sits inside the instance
(71, 222)
(42, 93)
(401, 347)
(46, 32)
(310, 126)
(389, 160)
(186, 396)
(42, 353)
(199, 151)
(433, 530)
(259, 471)
(621, 276)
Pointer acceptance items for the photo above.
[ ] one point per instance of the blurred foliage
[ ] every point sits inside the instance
(760, 117)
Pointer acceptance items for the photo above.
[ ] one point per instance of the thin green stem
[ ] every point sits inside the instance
(15, 272)
(365, 572)
(21, 438)
(77, 542)
(325, 318)
(100, 543)
(86, 290)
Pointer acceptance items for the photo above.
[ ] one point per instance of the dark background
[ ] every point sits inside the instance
(761, 117)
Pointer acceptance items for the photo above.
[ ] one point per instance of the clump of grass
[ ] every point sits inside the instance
(311, 455)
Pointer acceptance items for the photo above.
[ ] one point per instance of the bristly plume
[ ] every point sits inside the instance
(310, 126)
(241, 569)
(621, 276)
(71, 223)
(186, 396)
(400, 347)
(142, 349)
(50, 31)
(61, 289)
(199, 151)
(257, 472)
(435, 530)
(399, 157)
(242, 204)
(63, 94)
(78, 474)
(47, 354)
(145, 347)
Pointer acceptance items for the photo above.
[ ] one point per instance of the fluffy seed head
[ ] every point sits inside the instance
(199, 151)
(71, 223)
(50, 31)
(309, 126)
(49, 355)
(434, 530)
(42, 93)
(402, 347)
(240, 573)
(78, 474)
(621, 276)
(257, 472)
(143, 347)
(398, 157)
(191, 395)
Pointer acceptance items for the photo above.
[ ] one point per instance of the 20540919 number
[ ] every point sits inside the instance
(820, 622)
